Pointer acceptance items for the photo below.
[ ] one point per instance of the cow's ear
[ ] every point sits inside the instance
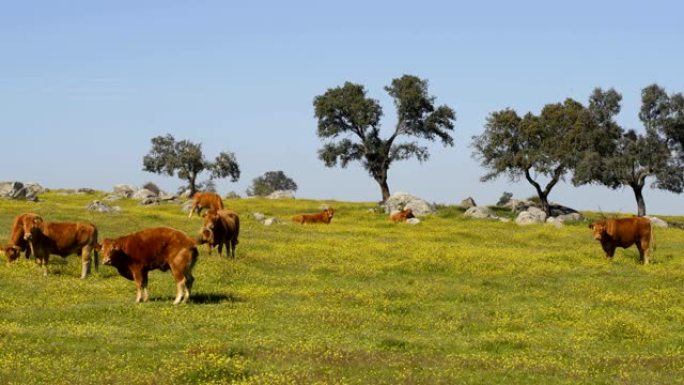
(591, 226)
(36, 220)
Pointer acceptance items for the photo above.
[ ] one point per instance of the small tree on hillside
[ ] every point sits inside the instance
(269, 182)
(622, 157)
(348, 113)
(538, 148)
(185, 158)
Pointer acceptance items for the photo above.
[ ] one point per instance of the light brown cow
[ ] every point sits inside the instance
(17, 243)
(401, 216)
(62, 239)
(163, 248)
(205, 200)
(220, 227)
(625, 232)
(324, 216)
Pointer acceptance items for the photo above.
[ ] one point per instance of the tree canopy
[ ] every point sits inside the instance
(541, 148)
(185, 158)
(350, 121)
(626, 158)
(269, 182)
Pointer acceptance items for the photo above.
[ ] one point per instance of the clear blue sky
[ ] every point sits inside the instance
(84, 85)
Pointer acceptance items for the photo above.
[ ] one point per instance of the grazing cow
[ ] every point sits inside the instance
(323, 217)
(17, 243)
(205, 200)
(62, 239)
(220, 227)
(163, 248)
(625, 232)
(401, 216)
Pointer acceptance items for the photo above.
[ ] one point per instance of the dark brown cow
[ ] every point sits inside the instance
(205, 200)
(17, 243)
(401, 216)
(62, 239)
(221, 227)
(323, 217)
(625, 232)
(163, 248)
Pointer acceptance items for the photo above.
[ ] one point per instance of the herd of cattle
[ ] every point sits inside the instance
(165, 248)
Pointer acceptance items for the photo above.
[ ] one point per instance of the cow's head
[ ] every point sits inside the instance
(330, 212)
(108, 250)
(32, 224)
(599, 229)
(11, 252)
(408, 213)
(206, 235)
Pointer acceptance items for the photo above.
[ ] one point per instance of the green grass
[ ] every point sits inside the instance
(449, 301)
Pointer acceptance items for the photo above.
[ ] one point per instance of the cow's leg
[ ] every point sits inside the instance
(145, 295)
(138, 278)
(220, 247)
(192, 210)
(233, 244)
(643, 251)
(85, 261)
(209, 247)
(181, 267)
(609, 249)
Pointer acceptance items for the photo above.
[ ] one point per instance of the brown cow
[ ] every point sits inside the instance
(625, 232)
(17, 243)
(163, 248)
(220, 227)
(323, 217)
(401, 216)
(62, 239)
(205, 200)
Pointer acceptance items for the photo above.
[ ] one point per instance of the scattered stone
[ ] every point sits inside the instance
(504, 220)
(399, 201)
(186, 207)
(517, 205)
(572, 217)
(150, 201)
(143, 193)
(112, 197)
(102, 207)
(281, 194)
(527, 218)
(271, 221)
(468, 203)
(555, 222)
(259, 217)
(20, 191)
(124, 190)
(480, 212)
(413, 221)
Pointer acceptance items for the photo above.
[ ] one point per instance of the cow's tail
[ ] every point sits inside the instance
(651, 244)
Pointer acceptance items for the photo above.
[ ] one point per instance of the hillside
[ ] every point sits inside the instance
(359, 301)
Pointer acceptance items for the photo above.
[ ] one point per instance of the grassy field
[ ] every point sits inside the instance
(359, 301)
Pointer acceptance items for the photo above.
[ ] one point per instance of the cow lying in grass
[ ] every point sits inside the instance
(17, 243)
(63, 239)
(162, 248)
(205, 200)
(625, 232)
(324, 216)
(220, 227)
(401, 216)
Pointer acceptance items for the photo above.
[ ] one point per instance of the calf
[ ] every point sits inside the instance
(62, 239)
(162, 248)
(401, 216)
(205, 200)
(17, 243)
(221, 227)
(324, 216)
(625, 232)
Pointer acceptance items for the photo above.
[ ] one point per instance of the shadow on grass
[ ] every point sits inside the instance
(201, 298)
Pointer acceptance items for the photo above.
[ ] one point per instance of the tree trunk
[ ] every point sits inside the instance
(384, 188)
(641, 204)
(544, 200)
(193, 188)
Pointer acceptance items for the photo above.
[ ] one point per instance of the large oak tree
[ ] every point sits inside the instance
(185, 158)
(350, 121)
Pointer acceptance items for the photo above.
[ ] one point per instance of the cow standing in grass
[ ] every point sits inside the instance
(205, 200)
(221, 227)
(63, 239)
(162, 248)
(17, 243)
(324, 216)
(625, 232)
